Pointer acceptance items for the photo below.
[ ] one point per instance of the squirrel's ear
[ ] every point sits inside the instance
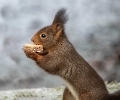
(61, 17)
(59, 21)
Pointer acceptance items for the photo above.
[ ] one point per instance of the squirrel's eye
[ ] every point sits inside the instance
(43, 35)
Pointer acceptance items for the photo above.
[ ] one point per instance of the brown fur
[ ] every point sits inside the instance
(61, 58)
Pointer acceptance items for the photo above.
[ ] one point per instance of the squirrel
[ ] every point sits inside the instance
(59, 57)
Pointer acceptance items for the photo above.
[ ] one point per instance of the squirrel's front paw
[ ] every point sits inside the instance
(32, 50)
(29, 52)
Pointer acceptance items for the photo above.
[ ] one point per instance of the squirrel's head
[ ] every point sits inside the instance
(52, 34)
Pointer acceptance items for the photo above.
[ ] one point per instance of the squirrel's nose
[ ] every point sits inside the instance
(32, 39)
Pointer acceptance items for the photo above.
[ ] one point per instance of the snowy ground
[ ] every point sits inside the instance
(33, 94)
(44, 93)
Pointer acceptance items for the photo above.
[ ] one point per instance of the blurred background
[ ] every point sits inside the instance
(93, 28)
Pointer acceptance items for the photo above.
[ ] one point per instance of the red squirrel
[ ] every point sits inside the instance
(60, 58)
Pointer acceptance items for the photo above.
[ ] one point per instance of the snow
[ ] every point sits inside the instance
(33, 94)
(45, 93)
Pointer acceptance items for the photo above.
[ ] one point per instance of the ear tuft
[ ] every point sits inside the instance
(61, 17)
(58, 24)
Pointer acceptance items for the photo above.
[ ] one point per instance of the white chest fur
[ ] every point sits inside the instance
(72, 90)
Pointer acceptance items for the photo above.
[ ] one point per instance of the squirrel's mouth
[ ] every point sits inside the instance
(44, 52)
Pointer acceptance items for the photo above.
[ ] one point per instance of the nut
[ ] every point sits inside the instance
(34, 48)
